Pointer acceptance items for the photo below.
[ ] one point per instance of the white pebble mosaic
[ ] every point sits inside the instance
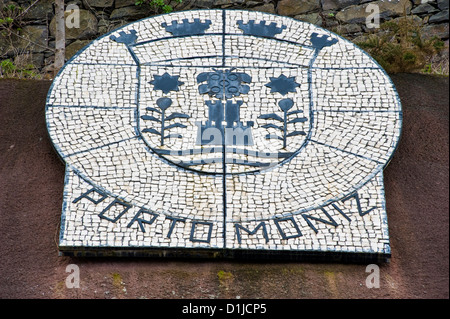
(226, 131)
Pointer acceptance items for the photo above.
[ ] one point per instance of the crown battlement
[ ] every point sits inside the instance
(319, 42)
(186, 27)
(260, 29)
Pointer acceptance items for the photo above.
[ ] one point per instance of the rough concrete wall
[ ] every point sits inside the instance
(97, 17)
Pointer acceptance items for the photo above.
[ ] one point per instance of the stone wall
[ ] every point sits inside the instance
(36, 41)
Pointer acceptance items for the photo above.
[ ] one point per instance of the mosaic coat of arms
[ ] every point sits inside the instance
(224, 132)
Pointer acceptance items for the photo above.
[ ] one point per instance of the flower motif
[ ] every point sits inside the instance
(319, 42)
(286, 104)
(282, 84)
(166, 82)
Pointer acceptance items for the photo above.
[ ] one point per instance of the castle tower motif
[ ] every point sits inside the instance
(224, 125)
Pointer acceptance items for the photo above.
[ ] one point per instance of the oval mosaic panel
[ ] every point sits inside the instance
(224, 129)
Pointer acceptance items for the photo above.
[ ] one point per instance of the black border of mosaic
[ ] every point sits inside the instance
(226, 254)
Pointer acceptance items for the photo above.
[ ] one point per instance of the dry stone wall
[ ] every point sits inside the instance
(35, 41)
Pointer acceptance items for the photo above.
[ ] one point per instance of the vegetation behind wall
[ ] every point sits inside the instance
(411, 35)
